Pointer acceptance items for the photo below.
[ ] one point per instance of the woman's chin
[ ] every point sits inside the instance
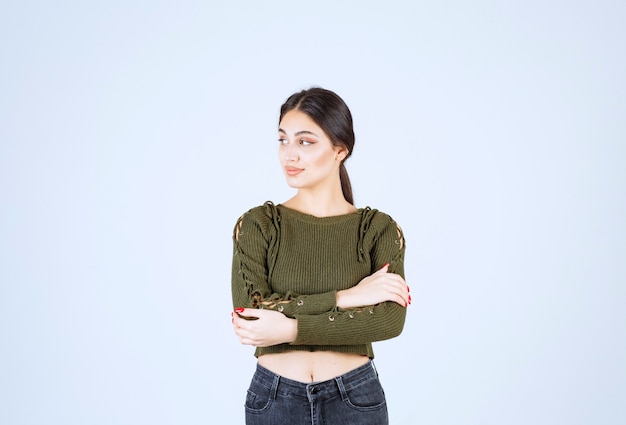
(292, 182)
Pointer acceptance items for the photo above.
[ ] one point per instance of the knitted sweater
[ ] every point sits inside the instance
(295, 263)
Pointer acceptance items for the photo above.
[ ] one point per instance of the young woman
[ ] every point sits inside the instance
(316, 280)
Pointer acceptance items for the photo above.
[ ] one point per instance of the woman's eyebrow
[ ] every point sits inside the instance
(299, 133)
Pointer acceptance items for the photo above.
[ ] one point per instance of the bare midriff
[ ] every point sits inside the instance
(306, 366)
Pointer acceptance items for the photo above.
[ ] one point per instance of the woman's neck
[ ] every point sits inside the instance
(320, 205)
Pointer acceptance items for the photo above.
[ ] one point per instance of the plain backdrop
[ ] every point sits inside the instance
(133, 135)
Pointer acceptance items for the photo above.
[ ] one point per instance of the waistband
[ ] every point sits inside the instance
(324, 389)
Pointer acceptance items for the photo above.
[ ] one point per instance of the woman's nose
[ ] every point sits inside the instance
(291, 153)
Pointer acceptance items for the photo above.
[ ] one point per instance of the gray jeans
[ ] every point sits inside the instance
(356, 397)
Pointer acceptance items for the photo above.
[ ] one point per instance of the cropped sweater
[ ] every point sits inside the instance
(295, 263)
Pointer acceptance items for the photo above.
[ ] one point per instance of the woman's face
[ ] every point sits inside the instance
(307, 156)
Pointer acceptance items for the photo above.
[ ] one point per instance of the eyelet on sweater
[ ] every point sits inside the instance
(280, 308)
(300, 302)
(351, 315)
(400, 240)
(331, 318)
(371, 311)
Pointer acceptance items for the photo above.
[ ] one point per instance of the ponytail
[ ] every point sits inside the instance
(346, 187)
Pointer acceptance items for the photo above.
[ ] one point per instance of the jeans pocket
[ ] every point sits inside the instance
(258, 398)
(367, 396)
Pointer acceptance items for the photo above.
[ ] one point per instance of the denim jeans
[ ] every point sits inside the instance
(353, 398)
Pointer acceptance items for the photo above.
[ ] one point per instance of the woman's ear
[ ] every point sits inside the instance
(341, 153)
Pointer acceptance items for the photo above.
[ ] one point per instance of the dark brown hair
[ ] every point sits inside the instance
(331, 113)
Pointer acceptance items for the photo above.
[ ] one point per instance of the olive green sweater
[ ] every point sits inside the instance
(295, 263)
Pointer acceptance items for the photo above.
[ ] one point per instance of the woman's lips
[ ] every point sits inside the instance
(292, 171)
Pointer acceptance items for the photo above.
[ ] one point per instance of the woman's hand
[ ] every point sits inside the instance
(376, 288)
(262, 328)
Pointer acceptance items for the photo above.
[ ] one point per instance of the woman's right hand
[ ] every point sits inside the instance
(375, 288)
(262, 328)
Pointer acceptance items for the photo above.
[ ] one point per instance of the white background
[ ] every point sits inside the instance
(133, 134)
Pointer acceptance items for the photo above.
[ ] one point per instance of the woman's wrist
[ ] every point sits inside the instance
(292, 331)
(342, 298)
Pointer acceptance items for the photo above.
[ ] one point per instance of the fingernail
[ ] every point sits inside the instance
(239, 310)
(409, 299)
(408, 288)
(386, 264)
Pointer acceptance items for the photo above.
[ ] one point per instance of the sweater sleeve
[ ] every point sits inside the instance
(365, 324)
(255, 238)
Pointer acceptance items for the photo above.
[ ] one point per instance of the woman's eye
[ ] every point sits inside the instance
(305, 142)
(282, 141)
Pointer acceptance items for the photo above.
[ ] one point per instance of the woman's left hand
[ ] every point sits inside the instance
(262, 328)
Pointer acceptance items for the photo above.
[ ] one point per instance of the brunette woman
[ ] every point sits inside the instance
(316, 280)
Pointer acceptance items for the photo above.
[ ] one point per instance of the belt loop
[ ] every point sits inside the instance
(342, 389)
(274, 389)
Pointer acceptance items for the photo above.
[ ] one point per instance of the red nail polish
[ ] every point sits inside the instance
(239, 310)
(385, 265)
(408, 288)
